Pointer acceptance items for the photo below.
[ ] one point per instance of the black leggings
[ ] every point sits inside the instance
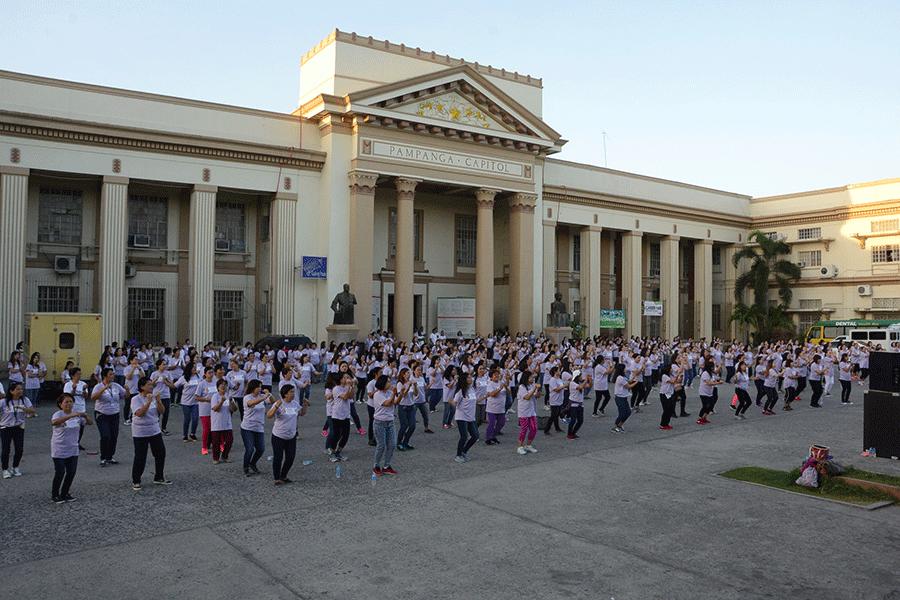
(283, 450)
(801, 385)
(668, 407)
(16, 436)
(598, 395)
(553, 421)
(771, 399)
(355, 416)
(706, 406)
(371, 429)
(760, 391)
(576, 418)
(167, 402)
(341, 433)
(817, 391)
(468, 435)
(63, 474)
(636, 393)
(157, 448)
(845, 391)
(360, 389)
(680, 396)
(744, 401)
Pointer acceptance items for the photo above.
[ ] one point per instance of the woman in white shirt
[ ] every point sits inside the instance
(526, 396)
(464, 402)
(78, 389)
(189, 382)
(106, 396)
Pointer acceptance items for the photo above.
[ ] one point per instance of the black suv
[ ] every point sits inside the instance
(290, 342)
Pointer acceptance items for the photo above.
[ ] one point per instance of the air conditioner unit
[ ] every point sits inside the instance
(864, 290)
(780, 237)
(828, 271)
(130, 270)
(141, 241)
(65, 265)
(223, 245)
(801, 264)
(228, 314)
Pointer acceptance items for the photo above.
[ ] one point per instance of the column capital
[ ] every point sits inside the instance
(522, 202)
(115, 180)
(633, 233)
(362, 182)
(672, 238)
(595, 228)
(704, 242)
(286, 196)
(406, 188)
(484, 197)
(209, 189)
(7, 170)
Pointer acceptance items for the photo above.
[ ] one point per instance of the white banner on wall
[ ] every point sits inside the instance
(376, 312)
(653, 309)
(456, 314)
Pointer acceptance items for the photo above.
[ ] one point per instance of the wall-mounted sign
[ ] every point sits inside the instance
(653, 309)
(612, 319)
(315, 267)
(423, 156)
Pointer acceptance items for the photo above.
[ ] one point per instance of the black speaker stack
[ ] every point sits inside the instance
(881, 405)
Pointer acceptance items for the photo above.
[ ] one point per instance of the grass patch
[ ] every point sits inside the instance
(869, 476)
(829, 487)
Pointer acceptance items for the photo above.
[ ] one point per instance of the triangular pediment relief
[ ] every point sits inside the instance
(453, 108)
(461, 99)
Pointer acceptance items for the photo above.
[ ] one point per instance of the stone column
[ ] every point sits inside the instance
(731, 274)
(669, 276)
(362, 242)
(632, 278)
(404, 269)
(201, 264)
(113, 241)
(591, 282)
(283, 233)
(703, 289)
(13, 215)
(521, 262)
(549, 244)
(484, 264)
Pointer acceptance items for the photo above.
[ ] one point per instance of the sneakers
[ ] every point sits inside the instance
(324, 433)
(665, 427)
(68, 498)
(446, 426)
(334, 458)
(205, 451)
(194, 438)
(16, 472)
(408, 447)
(522, 451)
(428, 430)
(215, 462)
(595, 415)
(6, 474)
(127, 423)
(401, 447)
(848, 403)
(388, 470)
(531, 449)
(184, 440)
(361, 431)
(373, 443)
(342, 458)
(459, 458)
(102, 463)
(135, 486)
(466, 457)
(162, 482)
(327, 451)
(111, 461)
(378, 471)
(57, 500)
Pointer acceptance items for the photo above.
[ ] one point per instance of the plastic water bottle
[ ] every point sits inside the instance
(306, 463)
(269, 458)
(337, 472)
(374, 478)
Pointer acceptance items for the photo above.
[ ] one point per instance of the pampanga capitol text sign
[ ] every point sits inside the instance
(430, 156)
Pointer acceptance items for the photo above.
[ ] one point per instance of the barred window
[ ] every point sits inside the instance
(807, 320)
(654, 260)
(57, 298)
(418, 221)
(771, 235)
(716, 317)
(885, 225)
(885, 254)
(466, 236)
(886, 303)
(148, 221)
(576, 252)
(228, 315)
(810, 303)
(146, 315)
(231, 232)
(717, 256)
(812, 258)
(810, 233)
(60, 216)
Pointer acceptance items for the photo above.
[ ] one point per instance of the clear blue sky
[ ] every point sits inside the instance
(759, 98)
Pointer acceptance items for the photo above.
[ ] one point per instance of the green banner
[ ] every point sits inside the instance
(612, 319)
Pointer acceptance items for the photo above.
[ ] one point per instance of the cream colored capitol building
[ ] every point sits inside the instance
(410, 175)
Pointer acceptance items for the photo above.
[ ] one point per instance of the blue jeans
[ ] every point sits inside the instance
(421, 406)
(448, 413)
(624, 410)
(386, 439)
(254, 446)
(191, 417)
(468, 435)
(407, 416)
(433, 397)
(576, 418)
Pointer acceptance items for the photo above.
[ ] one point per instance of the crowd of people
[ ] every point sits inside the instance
(464, 383)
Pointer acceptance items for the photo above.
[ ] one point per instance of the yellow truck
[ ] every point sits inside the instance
(61, 337)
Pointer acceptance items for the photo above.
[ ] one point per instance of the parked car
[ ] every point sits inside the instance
(291, 342)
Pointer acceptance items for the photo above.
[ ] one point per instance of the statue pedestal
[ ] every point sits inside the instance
(556, 334)
(348, 334)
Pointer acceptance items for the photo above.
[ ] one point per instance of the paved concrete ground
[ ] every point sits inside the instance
(640, 515)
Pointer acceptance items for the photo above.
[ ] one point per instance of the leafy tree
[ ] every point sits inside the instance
(767, 265)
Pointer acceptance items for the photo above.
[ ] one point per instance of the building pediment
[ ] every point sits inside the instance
(455, 102)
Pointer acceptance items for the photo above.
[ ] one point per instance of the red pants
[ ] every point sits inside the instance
(221, 440)
(205, 422)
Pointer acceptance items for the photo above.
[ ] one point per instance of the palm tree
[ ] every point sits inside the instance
(767, 266)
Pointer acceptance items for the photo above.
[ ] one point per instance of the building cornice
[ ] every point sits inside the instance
(417, 53)
(641, 206)
(86, 133)
(839, 213)
(845, 188)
